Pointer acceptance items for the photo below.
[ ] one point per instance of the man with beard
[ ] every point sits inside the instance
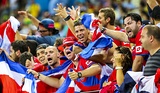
(83, 34)
(16, 49)
(133, 27)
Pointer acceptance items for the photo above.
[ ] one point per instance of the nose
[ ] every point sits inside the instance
(112, 59)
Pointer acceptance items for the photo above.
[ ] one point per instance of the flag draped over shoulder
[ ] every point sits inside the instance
(7, 33)
(31, 83)
(135, 82)
(99, 41)
(11, 74)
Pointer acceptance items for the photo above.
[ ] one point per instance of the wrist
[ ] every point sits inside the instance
(67, 18)
(119, 68)
(38, 75)
(103, 30)
(79, 74)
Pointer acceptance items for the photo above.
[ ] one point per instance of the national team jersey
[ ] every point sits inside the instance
(86, 83)
(138, 50)
(120, 43)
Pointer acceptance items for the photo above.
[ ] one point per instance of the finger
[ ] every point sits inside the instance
(69, 9)
(73, 8)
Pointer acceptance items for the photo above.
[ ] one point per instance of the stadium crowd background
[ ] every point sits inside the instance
(44, 9)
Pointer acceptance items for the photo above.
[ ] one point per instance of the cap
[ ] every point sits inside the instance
(155, 13)
(67, 41)
(47, 23)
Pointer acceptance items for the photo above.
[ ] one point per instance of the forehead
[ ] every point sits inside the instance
(127, 19)
(78, 27)
(101, 14)
(39, 50)
(50, 48)
(144, 31)
(41, 27)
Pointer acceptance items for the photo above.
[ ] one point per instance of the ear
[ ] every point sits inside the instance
(18, 53)
(139, 23)
(108, 19)
(58, 55)
(151, 38)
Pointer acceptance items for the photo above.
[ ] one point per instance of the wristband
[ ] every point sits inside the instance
(103, 29)
(119, 68)
(67, 18)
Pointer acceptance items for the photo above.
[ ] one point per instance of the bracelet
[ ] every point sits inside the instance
(103, 29)
(119, 68)
(67, 18)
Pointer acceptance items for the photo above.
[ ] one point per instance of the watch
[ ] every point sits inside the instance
(79, 74)
(67, 18)
(103, 29)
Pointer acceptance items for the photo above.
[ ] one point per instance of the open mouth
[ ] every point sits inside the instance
(49, 59)
(68, 52)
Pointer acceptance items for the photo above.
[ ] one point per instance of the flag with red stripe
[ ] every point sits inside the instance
(7, 33)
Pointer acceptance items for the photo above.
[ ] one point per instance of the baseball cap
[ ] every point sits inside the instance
(68, 41)
(47, 23)
(155, 13)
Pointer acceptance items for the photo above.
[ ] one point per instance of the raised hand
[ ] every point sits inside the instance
(61, 11)
(74, 13)
(118, 59)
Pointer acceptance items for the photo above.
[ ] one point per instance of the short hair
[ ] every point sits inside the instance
(24, 56)
(77, 22)
(127, 62)
(42, 46)
(153, 30)
(19, 45)
(108, 12)
(134, 16)
(58, 42)
(155, 13)
(32, 44)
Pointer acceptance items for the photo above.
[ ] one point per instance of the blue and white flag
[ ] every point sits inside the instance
(135, 82)
(31, 83)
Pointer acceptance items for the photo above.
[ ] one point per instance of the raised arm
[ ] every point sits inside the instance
(91, 71)
(119, 69)
(54, 82)
(152, 3)
(34, 20)
(158, 1)
(122, 36)
(61, 11)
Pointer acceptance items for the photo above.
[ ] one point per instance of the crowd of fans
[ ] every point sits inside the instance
(53, 32)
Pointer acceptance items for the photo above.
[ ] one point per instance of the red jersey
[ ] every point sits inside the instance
(85, 83)
(120, 43)
(138, 50)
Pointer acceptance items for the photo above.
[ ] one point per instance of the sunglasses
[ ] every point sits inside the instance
(42, 31)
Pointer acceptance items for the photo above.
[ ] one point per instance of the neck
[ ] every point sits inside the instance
(152, 51)
(112, 27)
(54, 65)
(75, 62)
